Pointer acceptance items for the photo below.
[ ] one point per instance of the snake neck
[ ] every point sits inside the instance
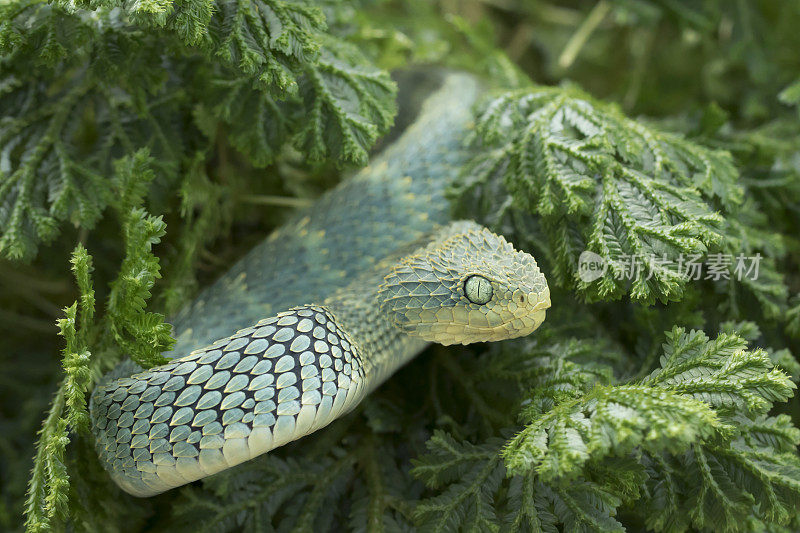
(384, 346)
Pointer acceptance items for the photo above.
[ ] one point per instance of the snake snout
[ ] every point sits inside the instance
(542, 299)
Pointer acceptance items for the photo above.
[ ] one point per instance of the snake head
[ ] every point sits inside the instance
(470, 285)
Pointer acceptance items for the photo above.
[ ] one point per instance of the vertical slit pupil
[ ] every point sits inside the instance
(478, 289)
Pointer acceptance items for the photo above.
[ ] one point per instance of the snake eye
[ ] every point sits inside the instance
(478, 289)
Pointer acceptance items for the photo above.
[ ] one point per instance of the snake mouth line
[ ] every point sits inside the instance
(538, 318)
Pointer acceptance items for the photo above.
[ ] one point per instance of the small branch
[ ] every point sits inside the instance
(582, 34)
(282, 201)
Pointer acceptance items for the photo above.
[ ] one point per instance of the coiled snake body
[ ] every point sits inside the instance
(351, 289)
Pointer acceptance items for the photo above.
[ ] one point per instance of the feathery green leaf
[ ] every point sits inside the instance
(638, 198)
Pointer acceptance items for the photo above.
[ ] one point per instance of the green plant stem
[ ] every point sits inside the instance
(582, 34)
(281, 201)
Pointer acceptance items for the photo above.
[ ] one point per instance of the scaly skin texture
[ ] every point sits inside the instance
(353, 288)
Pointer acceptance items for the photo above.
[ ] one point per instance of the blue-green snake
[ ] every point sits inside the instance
(323, 311)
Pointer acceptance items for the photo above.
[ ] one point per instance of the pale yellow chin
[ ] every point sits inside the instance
(448, 333)
(518, 327)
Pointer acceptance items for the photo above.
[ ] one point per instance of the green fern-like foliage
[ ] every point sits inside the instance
(472, 476)
(47, 492)
(106, 88)
(91, 348)
(270, 40)
(64, 122)
(694, 426)
(146, 145)
(562, 440)
(639, 198)
(674, 406)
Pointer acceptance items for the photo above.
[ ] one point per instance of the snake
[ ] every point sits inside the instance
(321, 312)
